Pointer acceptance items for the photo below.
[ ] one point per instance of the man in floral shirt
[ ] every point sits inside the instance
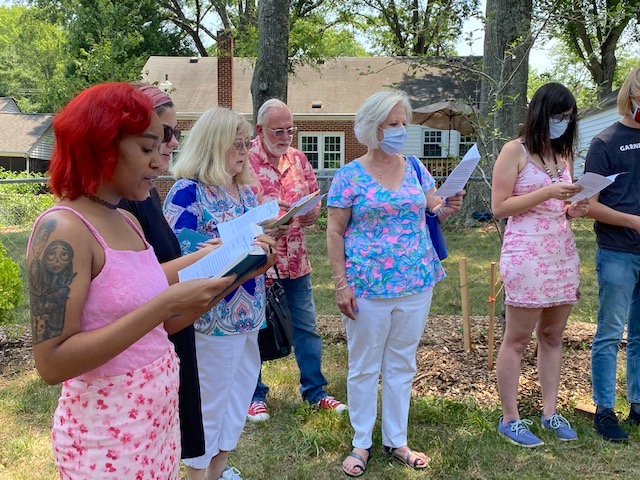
(285, 174)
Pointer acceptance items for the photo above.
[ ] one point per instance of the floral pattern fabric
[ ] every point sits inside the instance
(539, 263)
(119, 427)
(293, 179)
(388, 250)
(199, 207)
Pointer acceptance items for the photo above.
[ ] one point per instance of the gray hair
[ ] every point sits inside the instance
(373, 112)
(266, 106)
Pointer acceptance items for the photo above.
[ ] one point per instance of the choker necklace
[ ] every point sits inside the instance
(558, 170)
(99, 201)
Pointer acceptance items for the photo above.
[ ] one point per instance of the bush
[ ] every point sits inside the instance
(10, 286)
(21, 203)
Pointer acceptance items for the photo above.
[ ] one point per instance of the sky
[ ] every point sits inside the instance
(539, 58)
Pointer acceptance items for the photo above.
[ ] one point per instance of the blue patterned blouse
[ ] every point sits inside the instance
(199, 207)
(387, 249)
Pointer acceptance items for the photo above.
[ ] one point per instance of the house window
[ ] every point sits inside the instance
(466, 142)
(325, 151)
(432, 147)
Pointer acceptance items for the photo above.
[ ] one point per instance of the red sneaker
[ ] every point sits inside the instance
(258, 412)
(330, 403)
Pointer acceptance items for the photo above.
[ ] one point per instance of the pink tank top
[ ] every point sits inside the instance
(127, 281)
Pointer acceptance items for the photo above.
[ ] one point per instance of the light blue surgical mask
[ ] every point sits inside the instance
(393, 140)
(556, 130)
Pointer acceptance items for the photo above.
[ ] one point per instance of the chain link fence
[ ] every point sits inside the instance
(472, 235)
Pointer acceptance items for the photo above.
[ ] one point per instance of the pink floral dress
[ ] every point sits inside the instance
(120, 420)
(539, 262)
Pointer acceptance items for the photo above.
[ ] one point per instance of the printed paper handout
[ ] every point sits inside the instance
(257, 215)
(460, 175)
(237, 255)
(301, 207)
(592, 183)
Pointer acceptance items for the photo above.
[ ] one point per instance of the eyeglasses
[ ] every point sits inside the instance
(563, 116)
(279, 132)
(170, 132)
(239, 145)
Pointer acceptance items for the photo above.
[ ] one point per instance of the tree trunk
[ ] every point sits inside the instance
(503, 95)
(270, 77)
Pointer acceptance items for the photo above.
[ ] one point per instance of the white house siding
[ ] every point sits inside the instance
(415, 141)
(588, 128)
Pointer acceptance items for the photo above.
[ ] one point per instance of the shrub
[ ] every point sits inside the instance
(10, 286)
(21, 203)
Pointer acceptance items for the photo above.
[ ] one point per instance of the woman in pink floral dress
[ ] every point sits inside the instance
(101, 304)
(539, 264)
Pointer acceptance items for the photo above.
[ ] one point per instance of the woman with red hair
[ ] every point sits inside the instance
(101, 304)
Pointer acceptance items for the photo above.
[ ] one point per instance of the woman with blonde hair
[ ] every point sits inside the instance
(213, 186)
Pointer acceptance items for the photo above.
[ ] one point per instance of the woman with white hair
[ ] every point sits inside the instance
(384, 270)
(213, 186)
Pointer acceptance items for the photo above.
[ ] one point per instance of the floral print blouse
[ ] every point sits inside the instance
(199, 207)
(293, 179)
(387, 247)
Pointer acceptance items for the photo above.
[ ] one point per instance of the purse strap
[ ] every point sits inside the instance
(416, 167)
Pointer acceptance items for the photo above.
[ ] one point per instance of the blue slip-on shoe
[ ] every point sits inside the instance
(560, 426)
(518, 433)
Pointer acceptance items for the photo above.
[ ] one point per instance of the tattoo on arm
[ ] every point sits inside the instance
(50, 275)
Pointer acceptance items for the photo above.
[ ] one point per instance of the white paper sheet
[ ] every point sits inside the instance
(460, 175)
(215, 263)
(232, 228)
(592, 183)
(310, 205)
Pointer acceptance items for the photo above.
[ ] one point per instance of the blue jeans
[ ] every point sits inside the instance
(619, 294)
(307, 343)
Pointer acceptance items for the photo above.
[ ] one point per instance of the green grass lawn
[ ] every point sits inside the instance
(299, 443)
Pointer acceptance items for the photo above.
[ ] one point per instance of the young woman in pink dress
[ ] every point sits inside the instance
(539, 264)
(101, 304)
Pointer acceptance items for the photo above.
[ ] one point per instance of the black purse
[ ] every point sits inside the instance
(276, 339)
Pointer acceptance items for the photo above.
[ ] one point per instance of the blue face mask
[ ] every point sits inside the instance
(393, 141)
(556, 130)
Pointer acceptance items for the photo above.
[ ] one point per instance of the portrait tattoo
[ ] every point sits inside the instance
(50, 274)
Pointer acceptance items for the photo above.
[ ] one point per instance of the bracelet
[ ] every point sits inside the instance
(338, 277)
(342, 287)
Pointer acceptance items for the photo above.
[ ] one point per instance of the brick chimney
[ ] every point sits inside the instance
(225, 69)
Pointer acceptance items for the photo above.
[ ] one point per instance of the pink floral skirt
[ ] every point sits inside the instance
(120, 427)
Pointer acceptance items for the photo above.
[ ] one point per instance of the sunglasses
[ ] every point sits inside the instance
(563, 116)
(240, 145)
(279, 132)
(170, 132)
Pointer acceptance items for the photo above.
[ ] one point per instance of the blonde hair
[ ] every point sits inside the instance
(203, 155)
(630, 88)
(373, 112)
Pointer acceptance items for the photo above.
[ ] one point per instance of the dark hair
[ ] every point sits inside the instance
(550, 99)
(88, 131)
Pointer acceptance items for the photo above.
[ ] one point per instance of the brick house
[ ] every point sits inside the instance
(323, 99)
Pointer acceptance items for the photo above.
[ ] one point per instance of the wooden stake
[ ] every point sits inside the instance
(464, 294)
(492, 314)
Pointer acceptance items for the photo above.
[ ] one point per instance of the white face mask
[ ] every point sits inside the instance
(557, 129)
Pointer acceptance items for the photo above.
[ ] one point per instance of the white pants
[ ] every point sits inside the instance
(228, 368)
(383, 339)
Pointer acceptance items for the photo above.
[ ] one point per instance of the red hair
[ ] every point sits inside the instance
(88, 131)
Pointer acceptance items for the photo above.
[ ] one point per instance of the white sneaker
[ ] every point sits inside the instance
(258, 412)
(231, 473)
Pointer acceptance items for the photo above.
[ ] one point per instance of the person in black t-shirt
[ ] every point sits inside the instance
(616, 150)
(166, 247)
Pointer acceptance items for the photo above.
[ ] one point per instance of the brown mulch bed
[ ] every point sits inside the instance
(445, 369)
